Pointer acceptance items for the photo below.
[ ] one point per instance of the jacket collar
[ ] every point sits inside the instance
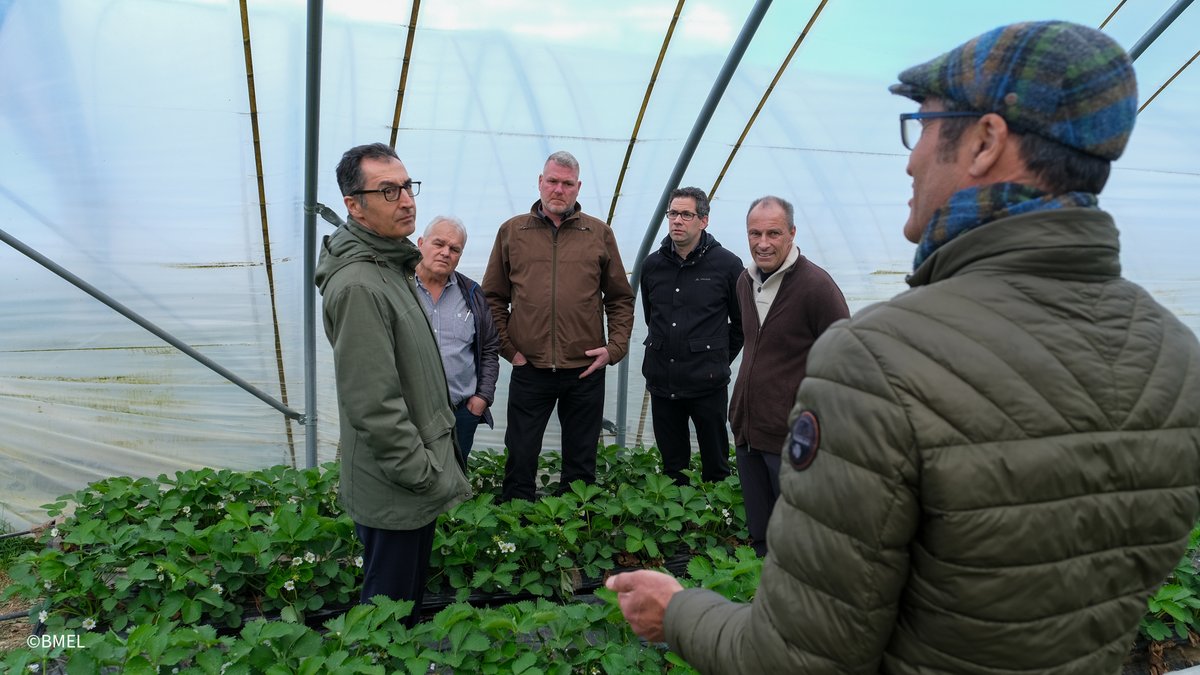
(537, 212)
(1071, 243)
(707, 241)
(788, 263)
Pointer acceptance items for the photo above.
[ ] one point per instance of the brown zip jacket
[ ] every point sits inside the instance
(550, 290)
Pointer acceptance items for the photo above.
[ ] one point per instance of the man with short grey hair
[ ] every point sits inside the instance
(462, 324)
(991, 472)
(554, 276)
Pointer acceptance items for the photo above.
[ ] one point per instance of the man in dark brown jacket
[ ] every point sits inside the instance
(554, 275)
(787, 302)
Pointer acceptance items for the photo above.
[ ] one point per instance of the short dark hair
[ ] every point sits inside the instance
(1059, 168)
(696, 194)
(349, 169)
(788, 209)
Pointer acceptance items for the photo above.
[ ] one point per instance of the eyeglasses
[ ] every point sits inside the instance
(911, 124)
(685, 216)
(392, 192)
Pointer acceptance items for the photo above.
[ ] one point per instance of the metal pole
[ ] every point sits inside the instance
(685, 157)
(145, 323)
(1157, 29)
(312, 117)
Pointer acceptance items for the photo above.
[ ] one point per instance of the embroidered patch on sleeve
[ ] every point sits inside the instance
(806, 439)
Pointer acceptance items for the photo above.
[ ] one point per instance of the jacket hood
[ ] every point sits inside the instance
(707, 242)
(354, 243)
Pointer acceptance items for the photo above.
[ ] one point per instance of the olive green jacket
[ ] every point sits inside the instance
(400, 467)
(1007, 466)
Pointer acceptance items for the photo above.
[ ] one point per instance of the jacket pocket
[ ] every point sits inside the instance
(710, 356)
(652, 366)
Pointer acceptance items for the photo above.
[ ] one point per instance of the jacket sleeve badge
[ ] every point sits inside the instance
(805, 441)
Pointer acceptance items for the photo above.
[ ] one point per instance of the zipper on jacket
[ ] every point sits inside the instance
(554, 298)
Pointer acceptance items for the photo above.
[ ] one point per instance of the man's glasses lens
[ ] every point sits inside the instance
(910, 132)
(684, 215)
(392, 192)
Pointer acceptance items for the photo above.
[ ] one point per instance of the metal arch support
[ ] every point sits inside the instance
(312, 118)
(662, 53)
(1157, 29)
(766, 94)
(268, 262)
(408, 45)
(133, 316)
(685, 157)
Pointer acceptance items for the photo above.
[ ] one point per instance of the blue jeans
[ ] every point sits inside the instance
(465, 424)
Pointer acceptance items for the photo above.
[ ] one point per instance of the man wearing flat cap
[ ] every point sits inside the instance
(991, 472)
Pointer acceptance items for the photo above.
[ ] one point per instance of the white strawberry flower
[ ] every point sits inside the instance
(42, 616)
(310, 557)
(358, 561)
(89, 623)
(289, 585)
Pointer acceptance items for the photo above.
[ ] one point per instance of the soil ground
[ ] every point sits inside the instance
(14, 631)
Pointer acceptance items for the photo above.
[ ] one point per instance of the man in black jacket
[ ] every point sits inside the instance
(689, 297)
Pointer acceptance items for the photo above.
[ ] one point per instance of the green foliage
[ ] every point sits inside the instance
(1174, 609)
(13, 547)
(633, 516)
(202, 547)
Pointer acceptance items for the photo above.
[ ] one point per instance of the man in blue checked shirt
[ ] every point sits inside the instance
(462, 325)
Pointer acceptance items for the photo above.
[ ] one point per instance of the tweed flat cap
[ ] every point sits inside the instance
(1063, 81)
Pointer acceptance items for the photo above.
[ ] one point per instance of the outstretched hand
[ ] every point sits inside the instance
(643, 596)
(601, 359)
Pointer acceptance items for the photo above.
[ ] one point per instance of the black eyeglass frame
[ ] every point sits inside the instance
(918, 116)
(685, 216)
(391, 193)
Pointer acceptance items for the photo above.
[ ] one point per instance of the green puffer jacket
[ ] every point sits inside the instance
(1007, 467)
(400, 468)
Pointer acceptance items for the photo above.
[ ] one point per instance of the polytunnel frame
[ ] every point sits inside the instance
(312, 207)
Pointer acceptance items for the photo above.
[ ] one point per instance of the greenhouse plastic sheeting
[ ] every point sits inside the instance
(129, 159)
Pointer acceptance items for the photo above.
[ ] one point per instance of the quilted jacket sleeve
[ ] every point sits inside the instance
(839, 536)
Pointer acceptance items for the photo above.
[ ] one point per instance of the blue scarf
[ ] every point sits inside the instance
(975, 206)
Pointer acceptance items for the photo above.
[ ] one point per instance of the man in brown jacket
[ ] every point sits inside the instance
(787, 302)
(553, 274)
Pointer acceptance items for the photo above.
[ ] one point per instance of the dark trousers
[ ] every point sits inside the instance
(396, 564)
(465, 424)
(759, 474)
(532, 395)
(674, 438)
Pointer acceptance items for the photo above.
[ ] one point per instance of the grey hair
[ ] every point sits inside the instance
(788, 209)
(564, 158)
(449, 220)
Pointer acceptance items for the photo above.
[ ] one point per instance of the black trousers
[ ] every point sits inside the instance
(532, 395)
(396, 564)
(759, 474)
(674, 438)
